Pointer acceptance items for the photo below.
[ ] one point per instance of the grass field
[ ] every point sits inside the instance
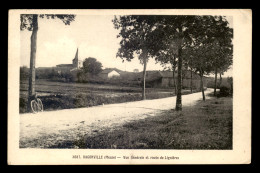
(207, 125)
(62, 95)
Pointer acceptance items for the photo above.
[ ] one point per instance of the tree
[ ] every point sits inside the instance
(151, 34)
(168, 57)
(211, 47)
(203, 62)
(221, 36)
(174, 33)
(166, 37)
(136, 39)
(30, 22)
(92, 66)
(203, 56)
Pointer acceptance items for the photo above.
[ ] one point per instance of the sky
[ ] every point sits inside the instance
(93, 35)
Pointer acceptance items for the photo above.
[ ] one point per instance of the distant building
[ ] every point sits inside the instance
(164, 79)
(109, 73)
(76, 64)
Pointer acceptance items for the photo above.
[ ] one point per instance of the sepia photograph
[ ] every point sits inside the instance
(125, 87)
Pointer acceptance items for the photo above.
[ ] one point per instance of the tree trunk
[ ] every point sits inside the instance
(144, 76)
(174, 82)
(31, 90)
(220, 79)
(191, 81)
(215, 86)
(179, 83)
(202, 87)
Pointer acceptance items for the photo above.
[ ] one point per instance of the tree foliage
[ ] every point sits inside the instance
(174, 32)
(136, 33)
(137, 38)
(169, 37)
(221, 36)
(211, 50)
(27, 22)
(201, 43)
(92, 66)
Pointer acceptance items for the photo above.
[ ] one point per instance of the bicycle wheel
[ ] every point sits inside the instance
(34, 106)
(40, 105)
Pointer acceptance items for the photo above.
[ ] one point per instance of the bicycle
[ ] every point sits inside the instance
(36, 104)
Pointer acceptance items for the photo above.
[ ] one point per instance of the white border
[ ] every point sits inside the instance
(241, 153)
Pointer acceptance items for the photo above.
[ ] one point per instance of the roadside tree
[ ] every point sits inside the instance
(221, 36)
(203, 54)
(136, 39)
(175, 33)
(30, 22)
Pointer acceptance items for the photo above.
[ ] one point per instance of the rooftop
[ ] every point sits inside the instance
(108, 70)
(64, 65)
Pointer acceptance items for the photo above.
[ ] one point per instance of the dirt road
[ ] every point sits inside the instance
(46, 129)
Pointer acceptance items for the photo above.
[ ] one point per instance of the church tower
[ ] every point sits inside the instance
(76, 62)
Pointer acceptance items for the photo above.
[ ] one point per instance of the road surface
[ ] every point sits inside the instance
(71, 124)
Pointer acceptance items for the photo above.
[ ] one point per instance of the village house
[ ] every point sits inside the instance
(109, 73)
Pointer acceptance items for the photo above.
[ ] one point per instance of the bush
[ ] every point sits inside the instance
(224, 91)
(68, 76)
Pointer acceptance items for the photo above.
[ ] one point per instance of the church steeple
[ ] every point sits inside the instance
(76, 59)
(77, 54)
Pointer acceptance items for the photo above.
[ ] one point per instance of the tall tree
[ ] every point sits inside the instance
(212, 46)
(203, 59)
(30, 22)
(177, 31)
(223, 60)
(136, 39)
(220, 35)
(203, 64)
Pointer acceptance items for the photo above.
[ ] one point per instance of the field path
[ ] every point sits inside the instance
(46, 129)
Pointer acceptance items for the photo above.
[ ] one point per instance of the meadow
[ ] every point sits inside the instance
(66, 95)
